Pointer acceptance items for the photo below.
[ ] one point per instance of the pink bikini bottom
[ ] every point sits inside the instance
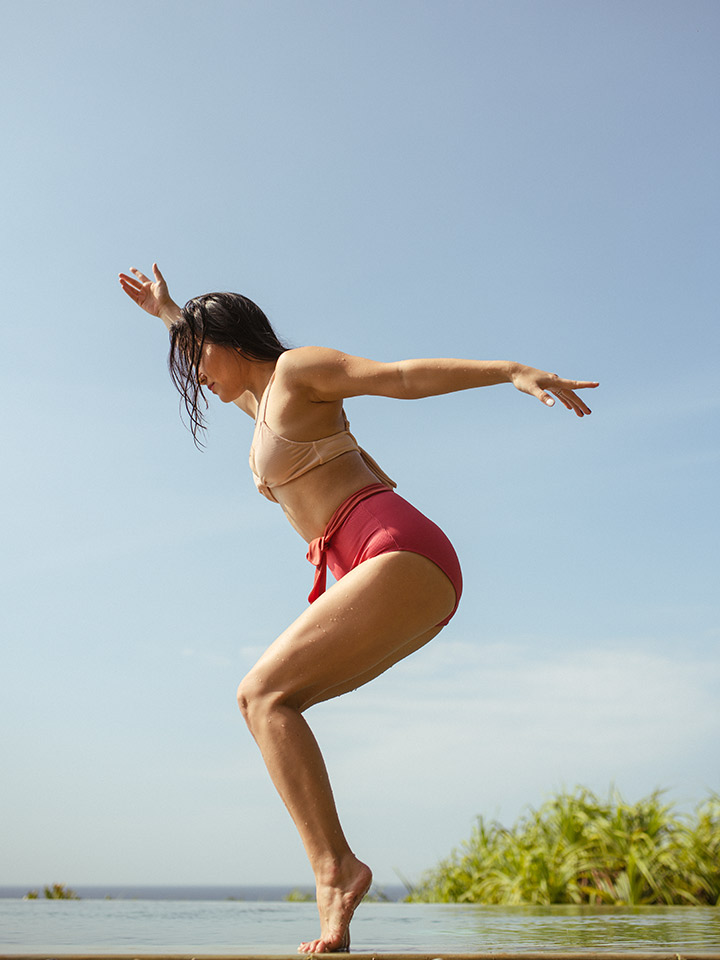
(373, 521)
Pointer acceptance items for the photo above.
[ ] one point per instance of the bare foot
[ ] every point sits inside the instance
(336, 904)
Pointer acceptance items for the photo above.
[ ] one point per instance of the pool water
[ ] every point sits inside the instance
(132, 927)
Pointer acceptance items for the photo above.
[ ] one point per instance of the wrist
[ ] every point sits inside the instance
(513, 370)
(170, 312)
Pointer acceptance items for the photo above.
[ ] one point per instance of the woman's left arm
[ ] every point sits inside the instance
(332, 375)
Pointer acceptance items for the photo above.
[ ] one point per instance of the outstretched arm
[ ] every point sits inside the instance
(331, 375)
(152, 296)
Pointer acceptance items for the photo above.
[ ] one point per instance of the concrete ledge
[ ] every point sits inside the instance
(609, 954)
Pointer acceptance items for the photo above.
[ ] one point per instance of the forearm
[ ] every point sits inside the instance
(428, 378)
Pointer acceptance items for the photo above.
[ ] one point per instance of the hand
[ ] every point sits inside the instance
(538, 383)
(152, 296)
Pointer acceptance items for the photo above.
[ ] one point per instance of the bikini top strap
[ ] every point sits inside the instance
(266, 396)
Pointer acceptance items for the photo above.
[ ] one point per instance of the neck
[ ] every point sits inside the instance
(258, 377)
(257, 374)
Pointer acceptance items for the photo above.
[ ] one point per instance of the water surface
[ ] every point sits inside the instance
(55, 927)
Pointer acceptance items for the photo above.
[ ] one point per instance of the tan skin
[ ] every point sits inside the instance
(389, 605)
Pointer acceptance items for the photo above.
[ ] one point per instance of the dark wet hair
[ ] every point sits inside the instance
(224, 319)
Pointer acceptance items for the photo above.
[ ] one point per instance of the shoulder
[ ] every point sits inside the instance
(301, 367)
(300, 359)
(322, 375)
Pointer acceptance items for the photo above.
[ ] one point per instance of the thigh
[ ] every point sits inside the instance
(338, 689)
(377, 614)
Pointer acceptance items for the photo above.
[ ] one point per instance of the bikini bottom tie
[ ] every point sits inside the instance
(317, 549)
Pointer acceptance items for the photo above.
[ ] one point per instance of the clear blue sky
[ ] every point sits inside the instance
(508, 179)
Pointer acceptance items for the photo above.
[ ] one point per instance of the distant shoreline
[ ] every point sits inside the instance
(268, 892)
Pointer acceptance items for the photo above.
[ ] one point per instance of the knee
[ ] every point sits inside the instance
(246, 696)
(256, 700)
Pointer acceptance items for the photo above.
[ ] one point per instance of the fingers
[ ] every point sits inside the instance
(126, 281)
(566, 398)
(564, 390)
(141, 276)
(579, 384)
(572, 402)
(562, 384)
(131, 287)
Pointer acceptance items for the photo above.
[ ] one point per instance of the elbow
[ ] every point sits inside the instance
(418, 379)
(407, 381)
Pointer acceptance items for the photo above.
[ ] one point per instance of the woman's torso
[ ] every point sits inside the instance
(304, 457)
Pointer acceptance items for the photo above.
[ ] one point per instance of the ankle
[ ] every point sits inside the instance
(337, 871)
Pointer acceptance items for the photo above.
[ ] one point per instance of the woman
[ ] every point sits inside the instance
(399, 580)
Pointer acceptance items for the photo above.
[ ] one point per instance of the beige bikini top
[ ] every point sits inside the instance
(275, 461)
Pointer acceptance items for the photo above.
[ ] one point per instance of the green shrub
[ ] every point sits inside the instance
(579, 849)
(299, 896)
(58, 891)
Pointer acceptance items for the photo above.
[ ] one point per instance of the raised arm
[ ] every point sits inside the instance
(332, 375)
(152, 296)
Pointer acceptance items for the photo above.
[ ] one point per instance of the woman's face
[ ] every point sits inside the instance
(221, 371)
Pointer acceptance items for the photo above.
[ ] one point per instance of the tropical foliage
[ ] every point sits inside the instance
(579, 849)
(58, 891)
(299, 896)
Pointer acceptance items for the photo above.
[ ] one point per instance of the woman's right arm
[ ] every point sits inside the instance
(332, 375)
(152, 296)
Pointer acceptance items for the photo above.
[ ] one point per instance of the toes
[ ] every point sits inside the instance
(324, 946)
(310, 946)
